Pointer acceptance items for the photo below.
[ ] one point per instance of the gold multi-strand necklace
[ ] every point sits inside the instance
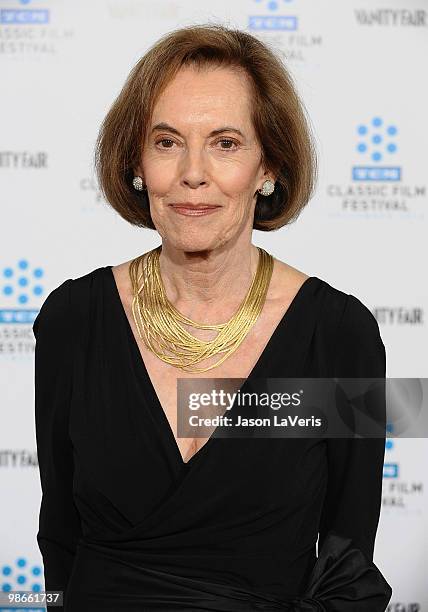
(159, 323)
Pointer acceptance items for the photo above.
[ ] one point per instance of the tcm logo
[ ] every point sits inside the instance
(273, 20)
(18, 286)
(22, 16)
(376, 144)
(390, 470)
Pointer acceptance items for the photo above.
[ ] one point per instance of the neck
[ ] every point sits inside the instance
(211, 281)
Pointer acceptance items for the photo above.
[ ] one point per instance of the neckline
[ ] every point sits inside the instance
(142, 366)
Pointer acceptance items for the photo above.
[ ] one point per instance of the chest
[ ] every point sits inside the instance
(164, 377)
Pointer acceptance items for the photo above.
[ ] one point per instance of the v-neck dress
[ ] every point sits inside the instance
(126, 525)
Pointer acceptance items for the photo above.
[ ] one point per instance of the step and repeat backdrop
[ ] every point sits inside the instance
(360, 67)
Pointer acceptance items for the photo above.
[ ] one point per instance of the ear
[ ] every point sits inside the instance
(268, 175)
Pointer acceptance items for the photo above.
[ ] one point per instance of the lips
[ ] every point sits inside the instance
(194, 210)
(190, 206)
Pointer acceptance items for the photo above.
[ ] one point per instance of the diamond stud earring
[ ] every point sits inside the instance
(137, 182)
(267, 188)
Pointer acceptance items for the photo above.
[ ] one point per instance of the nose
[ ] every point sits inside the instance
(193, 168)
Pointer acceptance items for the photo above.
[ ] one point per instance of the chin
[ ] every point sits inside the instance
(192, 246)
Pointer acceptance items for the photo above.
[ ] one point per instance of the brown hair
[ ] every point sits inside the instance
(278, 115)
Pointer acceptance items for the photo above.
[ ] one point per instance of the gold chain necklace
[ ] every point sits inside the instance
(159, 323)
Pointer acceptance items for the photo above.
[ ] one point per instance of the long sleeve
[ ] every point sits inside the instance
(355, 466)
(344, 577)
(59, 522)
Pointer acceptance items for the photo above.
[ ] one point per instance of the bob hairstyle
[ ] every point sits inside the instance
(278, 115)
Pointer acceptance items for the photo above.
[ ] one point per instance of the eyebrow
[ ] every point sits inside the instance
(169, 128)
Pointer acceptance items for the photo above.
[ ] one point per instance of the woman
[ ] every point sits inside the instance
(206, 142)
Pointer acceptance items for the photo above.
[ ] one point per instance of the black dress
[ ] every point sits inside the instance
(126, 524)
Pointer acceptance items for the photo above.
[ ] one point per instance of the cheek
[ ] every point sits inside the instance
(157, 210)
(236, 179)
(159, 177)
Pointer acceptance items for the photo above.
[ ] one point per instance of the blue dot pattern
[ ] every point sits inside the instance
(377, 142)
(17, 576)
(22, 282)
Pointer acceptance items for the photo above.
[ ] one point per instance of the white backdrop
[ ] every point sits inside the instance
(360, 66)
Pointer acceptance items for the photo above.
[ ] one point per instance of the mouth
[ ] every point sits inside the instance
(194, 210)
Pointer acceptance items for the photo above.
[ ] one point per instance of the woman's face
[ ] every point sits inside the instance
(182, 162)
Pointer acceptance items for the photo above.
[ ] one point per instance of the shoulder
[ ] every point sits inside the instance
(55, 307)
(66, 301)
(350, 334)
(286, 281)
(330, 301)
(341, 316)
(341, 310)
(357, 319)
(349, 314)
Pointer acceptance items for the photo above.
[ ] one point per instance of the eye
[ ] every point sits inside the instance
(229, 140)
(164, 140)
